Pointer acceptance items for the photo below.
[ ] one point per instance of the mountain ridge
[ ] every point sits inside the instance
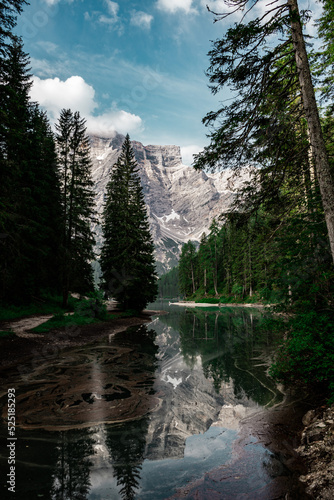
(181, 202)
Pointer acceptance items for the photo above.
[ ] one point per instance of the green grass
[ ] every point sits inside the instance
(49, 304)
(5, 333)
(62, 321)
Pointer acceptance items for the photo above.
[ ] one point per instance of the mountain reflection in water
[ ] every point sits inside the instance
(145, 412)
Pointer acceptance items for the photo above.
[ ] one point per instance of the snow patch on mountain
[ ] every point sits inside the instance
(181, 202)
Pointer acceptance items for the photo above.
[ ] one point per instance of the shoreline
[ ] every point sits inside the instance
(22, 347)
(221, 304)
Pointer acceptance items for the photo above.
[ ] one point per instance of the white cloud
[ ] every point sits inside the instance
(173, 6)
(107, 20)
(112, 121)
(55, 2)
(187, 153)
(141, 19)
(257, 9)
(110, 17)
(47, 68)
(74, 93)
(51, 2)
(112, 7)
(54, 94)
(218, 6)
(49, 47)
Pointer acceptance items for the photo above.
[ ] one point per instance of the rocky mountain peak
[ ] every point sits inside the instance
(181, 202)
(161, 156)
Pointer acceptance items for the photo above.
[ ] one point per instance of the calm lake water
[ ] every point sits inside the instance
(146, 414)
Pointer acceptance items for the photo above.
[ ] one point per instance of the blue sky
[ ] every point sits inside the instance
(131, 66)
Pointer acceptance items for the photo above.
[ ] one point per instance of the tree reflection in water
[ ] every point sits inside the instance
(71, 477)
(107, 461)
(126, 444)
(228, 345)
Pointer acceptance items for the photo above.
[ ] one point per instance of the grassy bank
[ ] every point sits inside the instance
(6, 333)
(88, 310)
(47, 304)
(66, 321)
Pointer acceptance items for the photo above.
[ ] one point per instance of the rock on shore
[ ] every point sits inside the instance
(317, 450)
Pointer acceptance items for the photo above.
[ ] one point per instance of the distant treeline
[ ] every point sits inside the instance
(168, 284)
(263, 256)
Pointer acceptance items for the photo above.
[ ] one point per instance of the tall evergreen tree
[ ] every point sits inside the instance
(30, 197)
(188, 269)
(77, 203)
(244, 60)
(14, 106)
(8, 14)
(127, 260)
(325, 57)
(46, 202)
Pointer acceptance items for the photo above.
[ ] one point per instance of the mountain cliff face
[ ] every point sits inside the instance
(181, 202)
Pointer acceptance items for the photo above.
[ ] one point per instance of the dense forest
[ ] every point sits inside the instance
(275, 242)
(47, 201)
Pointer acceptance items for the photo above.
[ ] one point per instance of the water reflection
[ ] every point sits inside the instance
(144, 412)
(71, 476)
(230, 349)
(126, 445)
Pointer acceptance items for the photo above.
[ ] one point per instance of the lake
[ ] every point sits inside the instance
(151, 413)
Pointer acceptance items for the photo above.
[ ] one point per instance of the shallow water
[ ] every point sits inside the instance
(149, 414)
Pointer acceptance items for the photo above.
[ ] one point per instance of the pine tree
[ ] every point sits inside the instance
(30, 194)
(46, 202)
(188, 269)
(169, 284)
(127, 260)
(253, 68)
(14, 106)
(8, 12)
(203, 253)
(325, 58)
(77, 203)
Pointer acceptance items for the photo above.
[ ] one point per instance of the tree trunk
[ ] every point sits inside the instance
(215, 286)
(322, 167)
(193, 278)
(250, 269)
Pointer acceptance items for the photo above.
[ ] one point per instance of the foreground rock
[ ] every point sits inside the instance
(317, 449)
